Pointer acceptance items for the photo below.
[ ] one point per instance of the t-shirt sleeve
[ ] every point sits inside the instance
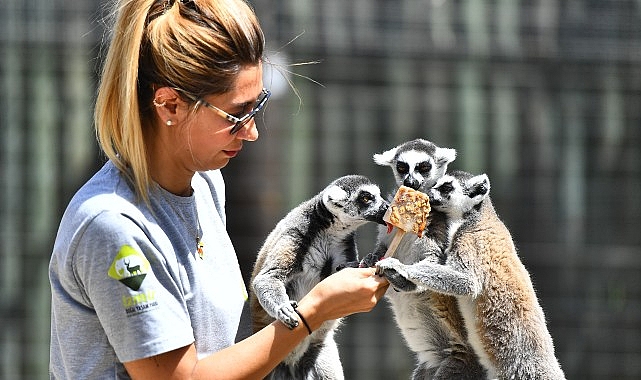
(133, 288)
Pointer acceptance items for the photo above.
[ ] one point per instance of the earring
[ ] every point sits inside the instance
(169, 123)
(159, 104)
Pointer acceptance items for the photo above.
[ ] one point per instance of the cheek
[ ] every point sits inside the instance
(205, 125)
(210, 136)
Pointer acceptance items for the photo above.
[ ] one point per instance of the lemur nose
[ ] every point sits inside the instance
(411, 182)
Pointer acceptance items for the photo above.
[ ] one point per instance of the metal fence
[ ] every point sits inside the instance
(543, 96)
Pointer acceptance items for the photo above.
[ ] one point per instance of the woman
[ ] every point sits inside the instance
(145, 281)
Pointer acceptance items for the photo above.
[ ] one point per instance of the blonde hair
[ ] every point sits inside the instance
(196, 47)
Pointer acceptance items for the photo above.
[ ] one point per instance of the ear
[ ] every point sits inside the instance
(479, 187)
(385, 158)
(334, 195)
(442, 180)
(167, 103)
(444, 155)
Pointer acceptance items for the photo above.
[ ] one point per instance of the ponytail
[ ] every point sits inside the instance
(117, 119)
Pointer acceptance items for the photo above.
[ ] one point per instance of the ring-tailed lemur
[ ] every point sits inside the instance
(430, 322)
(505, 323)
(307, 245)
(417, 164)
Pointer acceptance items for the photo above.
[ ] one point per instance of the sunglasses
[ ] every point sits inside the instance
(239, 122)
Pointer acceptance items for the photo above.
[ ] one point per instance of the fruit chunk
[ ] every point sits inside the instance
(409, 210)
(408, 213)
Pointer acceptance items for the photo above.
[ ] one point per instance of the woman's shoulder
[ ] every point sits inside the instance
(105, 207)
(106, 191)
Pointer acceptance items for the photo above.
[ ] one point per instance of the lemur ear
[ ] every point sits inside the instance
(334, 195)
(479, 187)
(386, 158)
(445, 155)
(445, 178)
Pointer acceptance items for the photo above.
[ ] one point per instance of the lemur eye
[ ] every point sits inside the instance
(424, 167)
(446, 188)
(402, 168)
(365, 197)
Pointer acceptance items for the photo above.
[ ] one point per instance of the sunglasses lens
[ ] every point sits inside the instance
(260, 103)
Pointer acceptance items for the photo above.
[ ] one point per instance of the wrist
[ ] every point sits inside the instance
(302, 319)
(307, 310)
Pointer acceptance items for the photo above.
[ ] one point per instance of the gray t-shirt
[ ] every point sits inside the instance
(129, 282)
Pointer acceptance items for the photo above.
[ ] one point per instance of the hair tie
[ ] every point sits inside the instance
(167, 6)
(159, 9)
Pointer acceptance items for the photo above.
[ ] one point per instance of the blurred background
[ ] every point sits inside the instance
(544, 96)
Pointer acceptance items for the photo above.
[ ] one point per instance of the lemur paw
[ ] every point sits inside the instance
(390, 263)
(369, 261)
(287, 315)
(349, 264)
(395, 272)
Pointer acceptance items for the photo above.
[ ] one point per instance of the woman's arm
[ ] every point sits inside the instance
(346, 292)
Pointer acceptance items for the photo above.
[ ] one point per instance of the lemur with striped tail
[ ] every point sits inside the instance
(430, 322)
(505, 323)
(306, 246)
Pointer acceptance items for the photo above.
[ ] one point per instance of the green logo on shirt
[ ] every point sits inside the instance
(129, 267)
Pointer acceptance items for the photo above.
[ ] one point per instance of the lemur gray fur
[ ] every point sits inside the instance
(505, 323)
(430, 322)
(307, 245)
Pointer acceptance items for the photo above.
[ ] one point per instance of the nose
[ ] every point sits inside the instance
(409, 181)
(248, 132)
(378, 214)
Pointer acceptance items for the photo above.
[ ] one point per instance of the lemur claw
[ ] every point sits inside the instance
(369, 261)
(287, 315)
(394, 271)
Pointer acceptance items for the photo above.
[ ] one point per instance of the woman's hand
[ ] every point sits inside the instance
(348, 291)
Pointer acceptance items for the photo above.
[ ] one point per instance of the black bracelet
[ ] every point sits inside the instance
(301, 318)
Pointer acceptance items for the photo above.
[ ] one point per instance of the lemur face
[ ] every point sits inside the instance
(417, 164)
(458, 192)
(355, 200)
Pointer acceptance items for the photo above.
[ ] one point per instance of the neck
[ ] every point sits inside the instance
(178, 185)
(166, 169)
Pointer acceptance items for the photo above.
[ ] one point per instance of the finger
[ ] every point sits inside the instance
(370, 272)
(380, 293)
(380, 285)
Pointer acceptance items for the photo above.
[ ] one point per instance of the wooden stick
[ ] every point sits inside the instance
(396, 240)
